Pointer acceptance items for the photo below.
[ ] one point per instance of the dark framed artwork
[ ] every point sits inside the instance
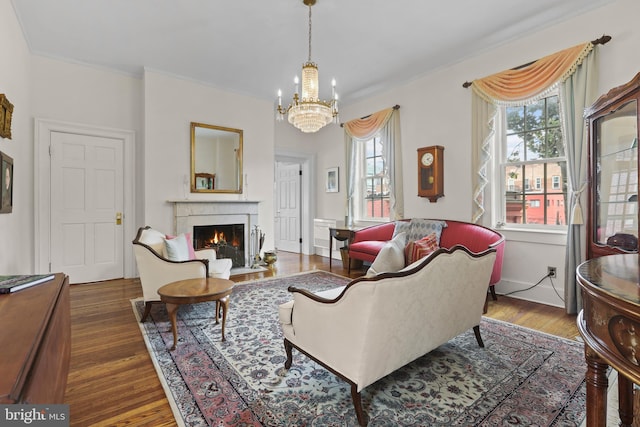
(6, 182)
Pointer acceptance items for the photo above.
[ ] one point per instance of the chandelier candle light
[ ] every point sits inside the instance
(308, 113)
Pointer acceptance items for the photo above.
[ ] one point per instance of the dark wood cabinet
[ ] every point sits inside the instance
(608, 323)
(612, 218)
(35, 338)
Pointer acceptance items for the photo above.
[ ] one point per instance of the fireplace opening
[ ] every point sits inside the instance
(226, 240)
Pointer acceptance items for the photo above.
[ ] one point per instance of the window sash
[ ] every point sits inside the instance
(540, 199)
(373, 197)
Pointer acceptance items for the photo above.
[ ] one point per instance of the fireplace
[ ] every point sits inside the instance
(226, 239)
(189, 214)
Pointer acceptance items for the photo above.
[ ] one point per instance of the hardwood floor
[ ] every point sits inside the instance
(112, 381)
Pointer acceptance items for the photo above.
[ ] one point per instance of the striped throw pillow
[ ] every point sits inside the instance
(417, 249)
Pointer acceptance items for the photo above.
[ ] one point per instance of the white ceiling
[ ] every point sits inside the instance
(255, 47)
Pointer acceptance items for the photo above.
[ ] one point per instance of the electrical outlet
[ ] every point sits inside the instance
(551, 271)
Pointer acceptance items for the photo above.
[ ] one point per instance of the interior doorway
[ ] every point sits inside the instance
(305, 164)
(288, 219)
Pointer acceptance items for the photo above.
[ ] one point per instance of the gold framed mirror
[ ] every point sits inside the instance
(216, 159)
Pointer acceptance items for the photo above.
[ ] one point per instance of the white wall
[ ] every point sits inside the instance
(436, 110)
(16, 228)
(171, 104)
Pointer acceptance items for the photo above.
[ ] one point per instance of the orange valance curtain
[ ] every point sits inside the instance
(366, 127)
(532, 80)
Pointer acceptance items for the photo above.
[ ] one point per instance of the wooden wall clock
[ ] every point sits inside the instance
(431, 172)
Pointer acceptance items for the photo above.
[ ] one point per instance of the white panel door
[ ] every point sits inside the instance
(287, 217)
(87, 197)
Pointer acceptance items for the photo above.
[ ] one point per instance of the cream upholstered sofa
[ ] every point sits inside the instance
(373, 326)
(156, 269)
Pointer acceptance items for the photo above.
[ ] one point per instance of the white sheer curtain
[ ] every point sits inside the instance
(483, 129)
(386, 125)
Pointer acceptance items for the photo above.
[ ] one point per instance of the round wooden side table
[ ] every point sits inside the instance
(191, 291)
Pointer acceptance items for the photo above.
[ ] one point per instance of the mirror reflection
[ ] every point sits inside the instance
(216, 159)
(616, 178)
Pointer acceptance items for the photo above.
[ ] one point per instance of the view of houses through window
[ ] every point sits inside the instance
(375, 204)
(534, 165)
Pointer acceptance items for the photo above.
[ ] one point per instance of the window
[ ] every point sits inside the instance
(374, 199)
(533, 152)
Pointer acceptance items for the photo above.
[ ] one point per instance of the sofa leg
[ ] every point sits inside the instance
(288, 349)
(493, 292)
(476, 330)
(357, 404)
(147, 310)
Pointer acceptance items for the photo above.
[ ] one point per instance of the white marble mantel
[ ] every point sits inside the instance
(189, 213)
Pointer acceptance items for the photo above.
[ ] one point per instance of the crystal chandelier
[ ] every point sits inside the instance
(308, 113)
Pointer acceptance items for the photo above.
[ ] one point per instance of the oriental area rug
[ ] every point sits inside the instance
(521, 377)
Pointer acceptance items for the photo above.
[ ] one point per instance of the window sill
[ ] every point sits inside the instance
(368, 223)
(550, 237)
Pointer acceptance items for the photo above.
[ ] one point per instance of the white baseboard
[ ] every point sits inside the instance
(542, 293)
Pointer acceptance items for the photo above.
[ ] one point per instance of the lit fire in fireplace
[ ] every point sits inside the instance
(226, 239)
(219, 238)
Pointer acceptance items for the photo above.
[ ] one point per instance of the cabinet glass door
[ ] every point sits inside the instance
(616, 186)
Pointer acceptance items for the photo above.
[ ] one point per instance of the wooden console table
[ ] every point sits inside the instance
(35, 338)
(610, 326)
(342, 235)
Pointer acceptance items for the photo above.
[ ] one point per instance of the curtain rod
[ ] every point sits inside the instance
(602, 40)
(395, 107)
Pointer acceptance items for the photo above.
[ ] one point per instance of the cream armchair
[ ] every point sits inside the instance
(373, 326)
(156, 270)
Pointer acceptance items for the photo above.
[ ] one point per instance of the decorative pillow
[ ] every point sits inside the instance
(401, 227)
(423, 227)
(390, 257)
(419, 249)
(192, 252)
(154, 239)
(177, 249)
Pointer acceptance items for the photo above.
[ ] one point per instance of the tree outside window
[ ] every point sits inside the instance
(534, 153)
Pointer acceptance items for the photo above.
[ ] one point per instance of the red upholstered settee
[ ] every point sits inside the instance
(368, 241)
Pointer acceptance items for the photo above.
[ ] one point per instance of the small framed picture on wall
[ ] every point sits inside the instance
(333, 183)
(6, 181)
